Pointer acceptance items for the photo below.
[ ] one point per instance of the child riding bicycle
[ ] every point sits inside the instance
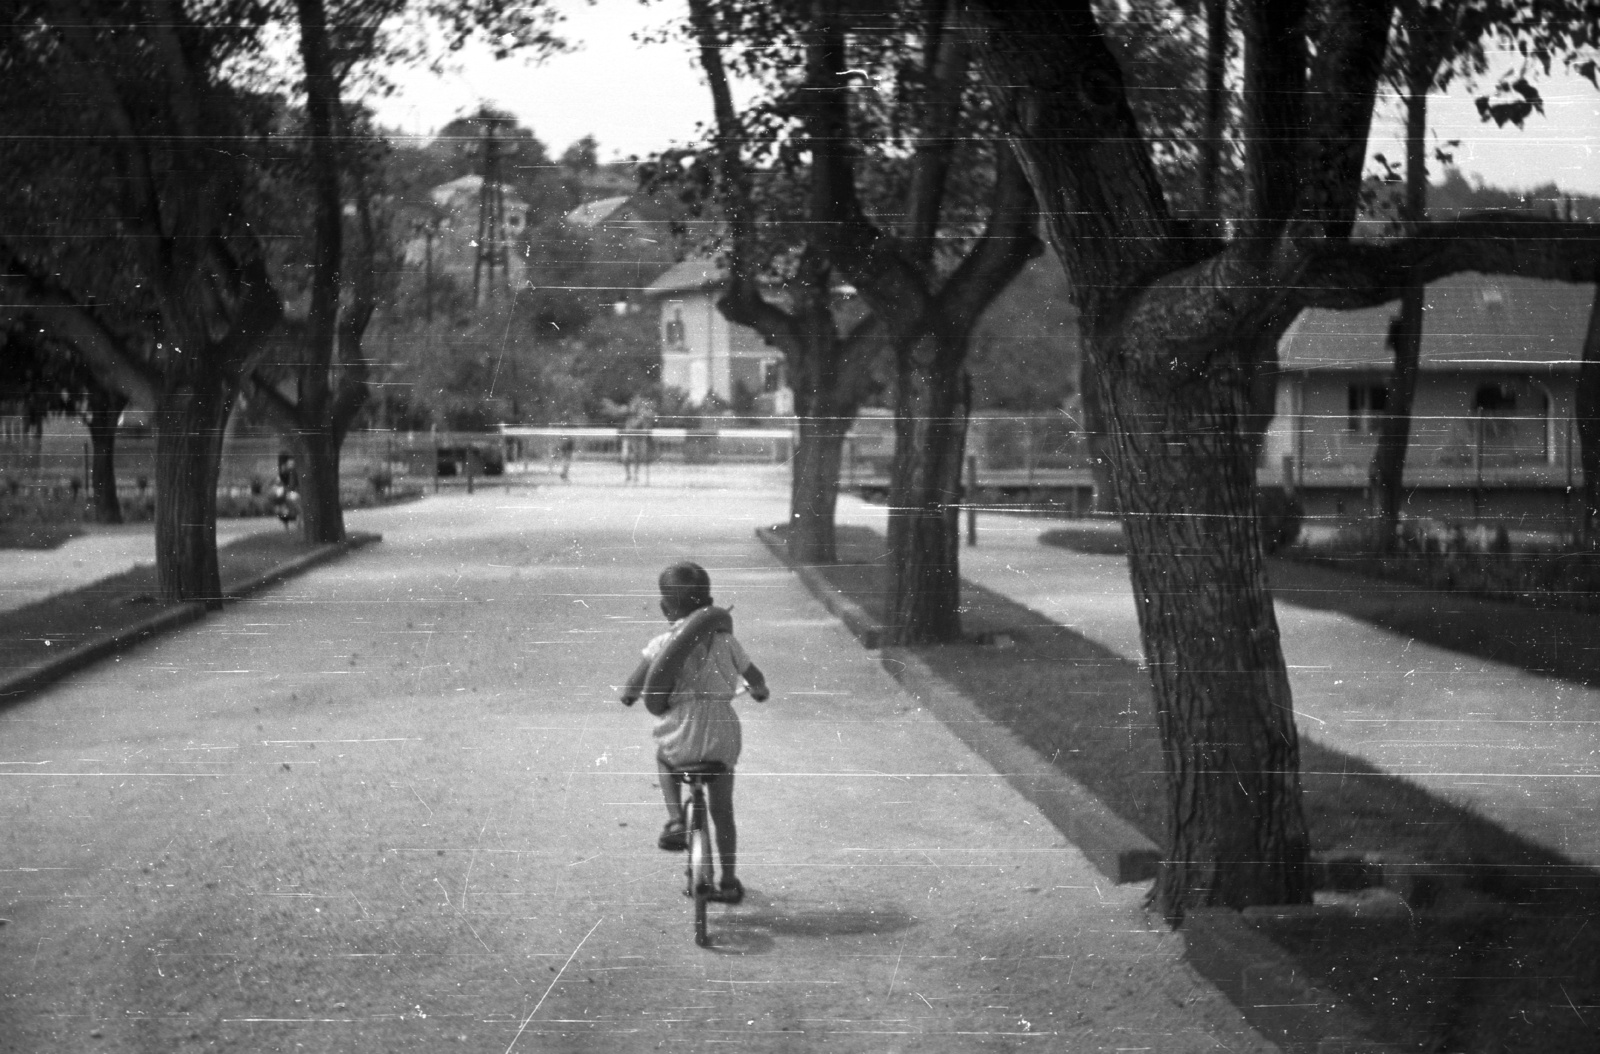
(695, 719)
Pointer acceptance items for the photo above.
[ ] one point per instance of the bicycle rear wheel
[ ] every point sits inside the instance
(700, 876)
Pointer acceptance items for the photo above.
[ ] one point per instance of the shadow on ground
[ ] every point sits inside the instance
(761, 924)
(1493, 950)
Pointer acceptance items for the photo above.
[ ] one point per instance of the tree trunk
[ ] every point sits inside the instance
(1096, 440)
(1186, 486)
(814, 486)
(1387, 474)
(316, 455)
(105, 409)
(1587, 412)
(933, 399)
(188, 424)
(1260, 354)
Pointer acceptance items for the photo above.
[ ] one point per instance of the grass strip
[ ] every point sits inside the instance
(1519, 972)
(37, 632)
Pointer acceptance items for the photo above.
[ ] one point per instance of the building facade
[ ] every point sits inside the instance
(702, 353)
(1493, 434)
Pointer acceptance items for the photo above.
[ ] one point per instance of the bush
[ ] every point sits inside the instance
(1449, 557)
(38, 521)
(1278, 517)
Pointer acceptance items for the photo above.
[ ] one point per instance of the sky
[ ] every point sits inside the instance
(637, 99)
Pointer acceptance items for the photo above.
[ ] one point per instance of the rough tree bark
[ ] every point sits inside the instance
(933, 400)
(330, 369)
(1170, 318)
(183, 201)
(1165, 318)
(928, 316)
(1387, 472)
(827, 371)
(104, 411)
(316, 447)
(1587, 411)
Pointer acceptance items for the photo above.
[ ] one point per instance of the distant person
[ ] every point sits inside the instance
(695, 719)
(286, 494)
(568, 447)
(635, 437)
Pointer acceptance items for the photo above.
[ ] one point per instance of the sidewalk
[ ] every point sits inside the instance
(392, 804)
(1520, 748)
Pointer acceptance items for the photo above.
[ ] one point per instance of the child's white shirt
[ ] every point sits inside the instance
(700, 723)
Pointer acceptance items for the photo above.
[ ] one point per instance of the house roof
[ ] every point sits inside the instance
(1471, 321)
(594, 213)
(691, 275)
(464, 189)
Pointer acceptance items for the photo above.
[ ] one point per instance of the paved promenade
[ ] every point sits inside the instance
(1521, 748)
(392, 805)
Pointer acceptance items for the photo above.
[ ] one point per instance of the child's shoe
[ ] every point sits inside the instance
(730, 892)
(674, 838)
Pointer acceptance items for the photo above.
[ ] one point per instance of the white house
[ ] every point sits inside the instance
(1492, 431)
(703, 353)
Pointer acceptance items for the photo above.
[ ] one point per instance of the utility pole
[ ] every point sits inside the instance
(491, 215)
(427, 280)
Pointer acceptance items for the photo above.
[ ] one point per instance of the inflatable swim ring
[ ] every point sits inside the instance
(663, 675)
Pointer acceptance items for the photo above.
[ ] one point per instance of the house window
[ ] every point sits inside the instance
(772, 375)
(1367, 404)
(1513, 423)
(675, 327)
(1495, 399)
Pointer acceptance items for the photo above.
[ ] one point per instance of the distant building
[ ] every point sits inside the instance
(1492, 428)
(454, 234)
(598, 212)
(628, 240)
(702, 353)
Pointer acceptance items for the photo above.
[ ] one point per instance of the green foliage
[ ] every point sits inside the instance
(1450, 558)
(1025, 355)
(1456, 195)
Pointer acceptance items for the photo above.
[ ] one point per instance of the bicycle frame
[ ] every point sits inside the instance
(698, 871)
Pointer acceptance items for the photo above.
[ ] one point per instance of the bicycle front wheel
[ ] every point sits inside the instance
(700, 878)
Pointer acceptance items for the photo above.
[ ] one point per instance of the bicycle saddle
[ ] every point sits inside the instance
(701, 768)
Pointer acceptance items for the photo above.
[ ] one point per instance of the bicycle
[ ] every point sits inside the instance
(698, 871)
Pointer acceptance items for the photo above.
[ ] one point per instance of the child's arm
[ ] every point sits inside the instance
(757, 682)
(635, 685)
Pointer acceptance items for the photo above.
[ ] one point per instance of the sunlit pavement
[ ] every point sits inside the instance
(1521, 748)
(393, 805)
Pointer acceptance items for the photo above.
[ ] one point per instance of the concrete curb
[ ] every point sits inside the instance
(1116, 849)
(16, 686)
(1222, 945)
(303, 563)
(853, 615)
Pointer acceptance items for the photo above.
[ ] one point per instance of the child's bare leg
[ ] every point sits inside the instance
(669, 791)
(719, 803)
